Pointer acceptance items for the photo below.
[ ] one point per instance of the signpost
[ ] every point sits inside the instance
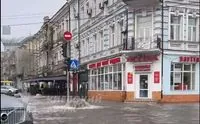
(74, 65)
(68, 36)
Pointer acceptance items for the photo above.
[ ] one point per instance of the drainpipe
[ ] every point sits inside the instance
(127, 28)
(162, 33)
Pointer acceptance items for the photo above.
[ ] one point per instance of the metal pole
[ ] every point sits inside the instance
(162, 47)
(79, 51)
(79, 43)
(69, 50)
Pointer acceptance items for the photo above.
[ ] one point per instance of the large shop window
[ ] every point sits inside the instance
(106, 78)
(182, 76)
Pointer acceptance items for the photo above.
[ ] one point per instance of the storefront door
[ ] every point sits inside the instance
(142, 86)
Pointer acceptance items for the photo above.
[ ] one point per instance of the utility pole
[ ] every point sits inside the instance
(79, 43)
(68, 53)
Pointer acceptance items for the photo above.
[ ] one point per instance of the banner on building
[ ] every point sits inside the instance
(156, 77)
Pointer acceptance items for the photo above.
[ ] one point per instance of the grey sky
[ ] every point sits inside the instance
(26, 11)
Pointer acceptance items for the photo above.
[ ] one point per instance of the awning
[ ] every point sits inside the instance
(47, 79)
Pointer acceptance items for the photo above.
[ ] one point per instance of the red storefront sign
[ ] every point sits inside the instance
(156, 77)
(105, 63)
(98, 64)
(115, 60)
(145, 58)
(143, 68)
(92, 65)
(192, 59)
(130, 78)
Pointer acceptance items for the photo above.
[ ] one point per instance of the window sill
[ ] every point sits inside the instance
(105, 90)
(182, 92)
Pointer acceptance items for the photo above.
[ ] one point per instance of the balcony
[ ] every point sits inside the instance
(141, 3)
(183, 45)
(145, 43)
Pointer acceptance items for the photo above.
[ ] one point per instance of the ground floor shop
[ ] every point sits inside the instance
(138, 77)
(126, 78)
(181, 78)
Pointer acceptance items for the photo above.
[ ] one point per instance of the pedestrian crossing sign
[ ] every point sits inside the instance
(74, 64)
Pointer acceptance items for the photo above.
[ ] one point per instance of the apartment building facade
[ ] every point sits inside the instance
(119, 44)
(46, 47)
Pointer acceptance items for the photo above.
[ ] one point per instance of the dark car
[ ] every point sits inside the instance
(13, 111)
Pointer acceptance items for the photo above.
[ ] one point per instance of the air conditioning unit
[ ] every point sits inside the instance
(101, 6)
(105, 1)
(89, 11)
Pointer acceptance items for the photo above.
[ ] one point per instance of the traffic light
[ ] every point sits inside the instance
(64, 50)
(67, 62)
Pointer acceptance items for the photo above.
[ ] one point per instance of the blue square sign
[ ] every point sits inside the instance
(74, 64)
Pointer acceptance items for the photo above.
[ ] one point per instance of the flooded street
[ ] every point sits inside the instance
(52, 110)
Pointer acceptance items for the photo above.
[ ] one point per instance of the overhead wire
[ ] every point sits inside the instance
(55, 21)
(33, 14)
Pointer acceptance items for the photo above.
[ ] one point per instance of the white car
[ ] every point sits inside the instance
(9, 90)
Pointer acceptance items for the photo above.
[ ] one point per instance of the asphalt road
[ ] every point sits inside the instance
(51, 110)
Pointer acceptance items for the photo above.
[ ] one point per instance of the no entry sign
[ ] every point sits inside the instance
(68, 35)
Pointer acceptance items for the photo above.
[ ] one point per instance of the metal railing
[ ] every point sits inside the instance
(15, 115)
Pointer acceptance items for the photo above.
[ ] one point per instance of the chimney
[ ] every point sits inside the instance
(46, 19)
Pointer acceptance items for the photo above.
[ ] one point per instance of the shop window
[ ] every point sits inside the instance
(106, 78)
(182, 76)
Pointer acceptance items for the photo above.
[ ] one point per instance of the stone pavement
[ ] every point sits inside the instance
(52, 110)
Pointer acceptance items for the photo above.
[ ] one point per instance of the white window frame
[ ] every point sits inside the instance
(196, 25)
(182, 77)
(101, 40)
(144, 28)
(95, 43)
(107, 73)
(87, 45)
(181, 25)
(112, 36)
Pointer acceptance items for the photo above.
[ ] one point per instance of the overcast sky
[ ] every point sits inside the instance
(26, 11)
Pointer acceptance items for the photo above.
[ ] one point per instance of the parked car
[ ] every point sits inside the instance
(5, 89)
(13, 111)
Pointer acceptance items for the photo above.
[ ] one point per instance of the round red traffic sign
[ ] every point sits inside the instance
(68, 35)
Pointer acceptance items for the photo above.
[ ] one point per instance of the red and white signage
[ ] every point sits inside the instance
(130, 78)
(68, 35)
(190, 59)
(144, 58)
(156, 77)
(142, 67)
(104, 63)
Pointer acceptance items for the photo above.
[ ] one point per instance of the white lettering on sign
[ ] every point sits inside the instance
(67, 35)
